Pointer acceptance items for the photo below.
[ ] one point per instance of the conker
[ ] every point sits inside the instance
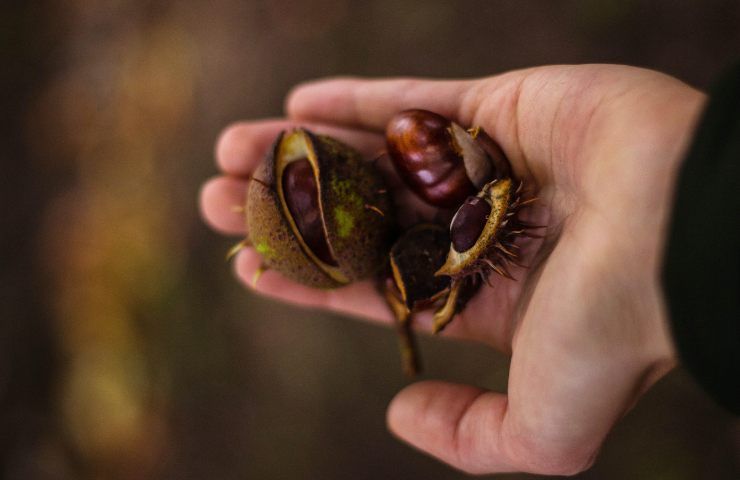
(441, 162)
(484, 231)
(317, 212)
(468, 223)
(412, 285)
(302, 198)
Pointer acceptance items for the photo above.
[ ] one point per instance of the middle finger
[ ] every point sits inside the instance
(243, 145)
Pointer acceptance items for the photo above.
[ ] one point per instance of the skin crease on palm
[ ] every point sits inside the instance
(585, 324)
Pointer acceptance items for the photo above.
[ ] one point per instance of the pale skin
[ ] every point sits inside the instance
(585, 324)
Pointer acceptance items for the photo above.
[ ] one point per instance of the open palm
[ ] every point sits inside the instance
(585, 324)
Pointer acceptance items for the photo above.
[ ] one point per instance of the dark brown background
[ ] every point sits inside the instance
(127, 350)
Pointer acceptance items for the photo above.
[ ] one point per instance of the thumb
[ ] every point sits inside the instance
(458, 424)
(470, 429)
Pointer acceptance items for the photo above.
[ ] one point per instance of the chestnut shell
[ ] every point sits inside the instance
(358, 237)
(503, 199)
(415, 257)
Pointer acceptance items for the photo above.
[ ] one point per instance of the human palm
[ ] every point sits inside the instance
(584, 323)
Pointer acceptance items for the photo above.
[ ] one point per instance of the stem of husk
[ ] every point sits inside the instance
(406, 339)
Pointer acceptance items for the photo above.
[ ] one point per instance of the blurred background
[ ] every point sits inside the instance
(128, 351)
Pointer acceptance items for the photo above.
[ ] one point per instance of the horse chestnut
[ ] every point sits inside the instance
(484, 230)
(468, 223)
(302, 199)
(441, 162)
(413, 285)
(317, 212)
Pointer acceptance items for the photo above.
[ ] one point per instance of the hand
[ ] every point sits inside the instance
(585, 325)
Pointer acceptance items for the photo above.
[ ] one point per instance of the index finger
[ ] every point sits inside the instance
(369, 104)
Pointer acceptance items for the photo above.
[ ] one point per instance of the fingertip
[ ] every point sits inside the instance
(242, 146)
(246, 263)
(459, 424)
(297, 97)
(401, 408)
(207, 201)
(413, 407)
(293, 102)
(301, 100)
(228, 151)
(251, 271)
(219, 200)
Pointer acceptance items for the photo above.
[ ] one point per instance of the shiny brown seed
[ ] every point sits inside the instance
(468, 223)
(426, 155)
(302, 199)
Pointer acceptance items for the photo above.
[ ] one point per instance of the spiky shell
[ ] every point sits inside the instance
(493, 248)
(414, 258)
(353, 202)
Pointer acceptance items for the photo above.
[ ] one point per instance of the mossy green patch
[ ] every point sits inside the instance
(265, 250)
(345, 222)
(345, 192)
(340, 186)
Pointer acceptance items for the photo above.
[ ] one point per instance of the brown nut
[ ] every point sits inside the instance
(442, 162)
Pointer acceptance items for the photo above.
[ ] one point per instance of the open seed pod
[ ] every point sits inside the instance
(413, 285)
(483, 232)
(442, 162)
(414, 259)
(318, 213)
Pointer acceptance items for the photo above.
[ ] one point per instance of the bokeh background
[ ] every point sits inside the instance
(128, 351)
